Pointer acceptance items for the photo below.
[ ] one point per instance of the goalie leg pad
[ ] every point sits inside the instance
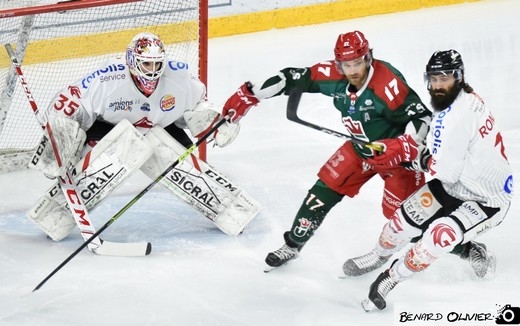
(15, 159)
(113, 160)
(52, 215)
(100, 172)
(69, 139)
(197, 183)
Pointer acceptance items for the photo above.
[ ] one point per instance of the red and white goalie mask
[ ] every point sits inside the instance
(145, 58)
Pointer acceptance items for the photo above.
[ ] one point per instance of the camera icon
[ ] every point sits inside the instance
(508, 315)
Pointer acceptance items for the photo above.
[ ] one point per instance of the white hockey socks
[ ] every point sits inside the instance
(201, 186)
(100, 172)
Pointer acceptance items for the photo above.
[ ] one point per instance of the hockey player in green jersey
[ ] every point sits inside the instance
(374, 102)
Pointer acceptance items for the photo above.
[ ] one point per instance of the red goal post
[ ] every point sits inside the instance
(59, 41)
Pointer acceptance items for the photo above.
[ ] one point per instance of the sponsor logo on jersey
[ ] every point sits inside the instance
(121, 105)
(107, 78)
(167, 103)
(176, 65)
(508, 186)
(145, 107)
(438, 126)
(340, 96)
(369, 105)
(109, 69)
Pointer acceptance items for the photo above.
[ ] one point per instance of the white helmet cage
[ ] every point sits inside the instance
(146, 48)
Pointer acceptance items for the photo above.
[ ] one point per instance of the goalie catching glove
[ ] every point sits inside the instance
(395, 151)
(69, 138)
(203, 118)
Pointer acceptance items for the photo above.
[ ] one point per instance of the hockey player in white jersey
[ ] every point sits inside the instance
(134, 110)
(470, 191)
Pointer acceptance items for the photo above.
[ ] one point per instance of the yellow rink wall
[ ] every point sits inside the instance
(45, 51)
(316, 14)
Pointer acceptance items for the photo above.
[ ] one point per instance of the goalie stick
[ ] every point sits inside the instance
(136, 198)
(74, 201)
(292, 114)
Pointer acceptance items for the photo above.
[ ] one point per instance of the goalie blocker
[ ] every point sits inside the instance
(124, 150)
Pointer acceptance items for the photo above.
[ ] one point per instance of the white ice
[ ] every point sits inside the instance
(196, 275)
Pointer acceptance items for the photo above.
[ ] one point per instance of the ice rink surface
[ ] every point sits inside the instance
(196, 275)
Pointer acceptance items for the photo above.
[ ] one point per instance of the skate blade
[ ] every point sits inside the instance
(268, 268)
(368, 305)
(344, 276)
(492, 269)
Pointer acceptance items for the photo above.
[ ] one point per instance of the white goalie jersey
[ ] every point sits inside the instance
(137, 141)
(474, 166)
(108, 93)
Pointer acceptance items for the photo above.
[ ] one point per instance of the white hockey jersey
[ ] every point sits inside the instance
(108, 93)
(468, 153)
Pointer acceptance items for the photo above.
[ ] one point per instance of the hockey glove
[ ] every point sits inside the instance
(421, 162)
(395, 151)
(203, 118)
(240, 102)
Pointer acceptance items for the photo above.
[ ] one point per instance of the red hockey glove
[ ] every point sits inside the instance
(396, 151)
(240, 102)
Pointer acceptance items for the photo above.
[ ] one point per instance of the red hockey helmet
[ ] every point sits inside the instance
(350, 46)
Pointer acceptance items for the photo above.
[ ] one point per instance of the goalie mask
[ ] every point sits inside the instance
(145, 58)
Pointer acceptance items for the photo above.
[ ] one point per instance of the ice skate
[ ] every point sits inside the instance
(363, 264)
(281, 257)
(378, 291)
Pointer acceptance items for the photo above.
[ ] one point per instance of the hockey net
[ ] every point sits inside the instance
(60, 41)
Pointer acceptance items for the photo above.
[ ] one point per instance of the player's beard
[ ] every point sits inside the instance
(357, 79)
(442, 98)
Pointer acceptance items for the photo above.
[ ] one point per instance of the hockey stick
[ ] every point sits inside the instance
(74, 201)
(135, 199)
(292, 114)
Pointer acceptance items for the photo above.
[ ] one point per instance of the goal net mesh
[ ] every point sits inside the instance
(59, 47)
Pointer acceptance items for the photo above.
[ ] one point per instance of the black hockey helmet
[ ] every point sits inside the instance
(444, 63)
